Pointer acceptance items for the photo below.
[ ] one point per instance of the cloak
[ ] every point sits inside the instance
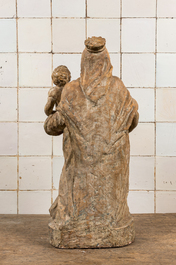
(95, 114)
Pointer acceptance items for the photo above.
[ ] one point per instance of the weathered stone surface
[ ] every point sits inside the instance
(60, 76)
(95, 115)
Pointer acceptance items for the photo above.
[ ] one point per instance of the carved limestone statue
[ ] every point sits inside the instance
(95, 115)
(60, 76)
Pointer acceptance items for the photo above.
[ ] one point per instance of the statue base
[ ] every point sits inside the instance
(90, 235)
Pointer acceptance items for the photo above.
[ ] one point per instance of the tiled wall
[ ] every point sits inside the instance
(37, 36)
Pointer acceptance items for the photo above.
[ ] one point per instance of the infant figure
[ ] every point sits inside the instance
(60, 76)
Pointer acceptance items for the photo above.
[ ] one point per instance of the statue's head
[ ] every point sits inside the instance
(95, 60)
(61, 75)
(96, 68)
(95, 44)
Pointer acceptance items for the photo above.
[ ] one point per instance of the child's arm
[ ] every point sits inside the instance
(49, 106)
(54, 96)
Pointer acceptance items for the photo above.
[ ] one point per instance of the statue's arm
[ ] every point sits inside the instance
(54, 124)
(134, 122)
(54, 96)
(49, 106)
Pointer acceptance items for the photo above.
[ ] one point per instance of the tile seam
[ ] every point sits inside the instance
(120, 39)
(17, 107)
(51, 7)
(155, 109)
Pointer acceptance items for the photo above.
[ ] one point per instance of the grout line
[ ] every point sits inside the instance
(115, 18)
(86, 8)
(53, 17)
(85, 28)
(85, 19)
(155, 112)
(120, 39)
(46, 52)
(110, 52)
(110, 18)
(52, 85)
(17, 108)
(18, 121)
(88, 17)
(35, 156)
(150, 17)
(57, 189)
(21, 87)
(27, 190)
(153, 191)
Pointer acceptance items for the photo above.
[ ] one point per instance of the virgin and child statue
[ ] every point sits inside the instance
(95, 113)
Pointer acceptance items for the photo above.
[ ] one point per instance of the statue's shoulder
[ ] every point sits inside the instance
(117, 84)
(70, 88)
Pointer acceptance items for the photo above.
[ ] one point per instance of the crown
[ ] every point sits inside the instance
(95, 44)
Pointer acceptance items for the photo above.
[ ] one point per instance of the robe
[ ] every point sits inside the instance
(95, 118)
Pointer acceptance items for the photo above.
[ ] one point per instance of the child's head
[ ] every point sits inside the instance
(61, 75)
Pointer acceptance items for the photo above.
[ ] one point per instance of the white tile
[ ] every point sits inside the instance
(108, 29)
(138, 35)
(141, 173)
(35, 70)
(8, 136)
(31, 104)
(166, 8)
(8, 172)
(165, 139)
(165, 173)
(165, 104)
(8, 64)
(33, 140)
(166, 37)
(103, 8)
(7, 8)
(71, 34)
(58, 163)
(34, 202)
(165, 202)
(142, 139)
(138, 70)
(55, 194)
(72, 61)
(8, 104)
(34, 35)
(33, 8)
(68, 8)
(165, 70)
(34, 173)
(138, 8)
(141, 201)
(115, 61)
(8, 202)
(57, 145)
(8, 35)
(145, 99)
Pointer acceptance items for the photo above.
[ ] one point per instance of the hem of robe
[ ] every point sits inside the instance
(84, 234)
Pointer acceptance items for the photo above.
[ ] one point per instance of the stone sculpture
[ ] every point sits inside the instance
(60, 76)
(95, 115)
